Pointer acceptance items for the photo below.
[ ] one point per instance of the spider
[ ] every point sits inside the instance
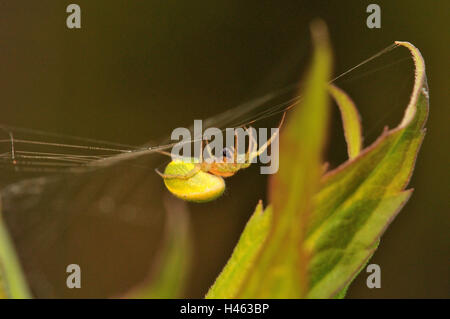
(202, 181)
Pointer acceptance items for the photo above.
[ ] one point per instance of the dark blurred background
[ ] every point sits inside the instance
(136, 70)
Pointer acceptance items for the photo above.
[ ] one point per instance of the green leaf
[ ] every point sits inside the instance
(351, 121)
(12, 280)
(244, 255)
(359, 199)
(324, 230)
(341, 294)
(279, 270)
(169, 275)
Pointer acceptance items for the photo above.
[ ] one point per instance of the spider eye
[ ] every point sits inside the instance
(227, 153)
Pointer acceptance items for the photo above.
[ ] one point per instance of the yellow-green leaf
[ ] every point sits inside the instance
(12, 279)
(279, 271)
(323, 233)
(351, 121)
(169, 275)
(359, 199)
(239, 265)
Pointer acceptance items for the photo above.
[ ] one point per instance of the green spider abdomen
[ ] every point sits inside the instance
(201, 187)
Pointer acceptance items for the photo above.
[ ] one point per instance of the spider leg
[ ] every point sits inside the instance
(201, 150)
(236, 148)
(188, 175)
(164, 153)
(252, 144)
(269, 141)
(208, 149)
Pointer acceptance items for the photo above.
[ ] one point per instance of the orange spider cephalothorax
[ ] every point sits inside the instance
(224, 169)
(228, 167)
